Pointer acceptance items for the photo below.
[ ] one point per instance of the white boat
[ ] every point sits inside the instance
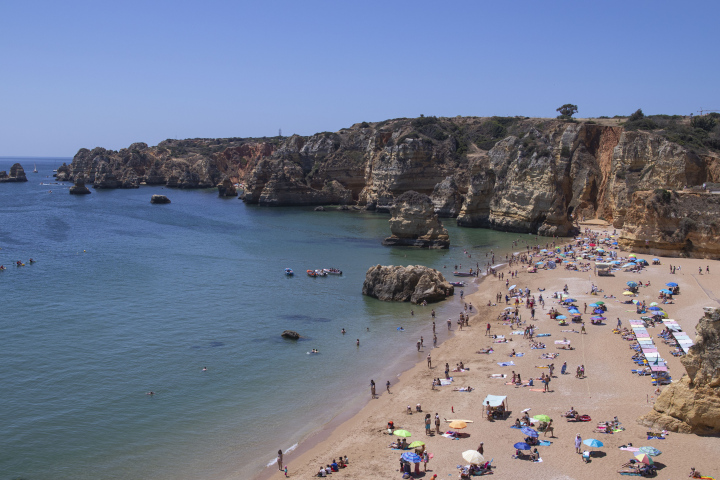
(35, 169)
(332, 271)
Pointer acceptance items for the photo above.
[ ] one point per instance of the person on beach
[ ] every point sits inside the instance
(480, 448)
(578, 443)
(449, 322)
(280, 460)
(387, 386)
(434, 340)
(582, 330)
(427, 424)
(437, 423)
(433, 325)
(563, 368)
(372, 389)
(550, 429)
(487, 330)
(429, 360)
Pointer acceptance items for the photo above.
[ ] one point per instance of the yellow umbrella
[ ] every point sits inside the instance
(632, 255)
(458, 424)
(628, 293)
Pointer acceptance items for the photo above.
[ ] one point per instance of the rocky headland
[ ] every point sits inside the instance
(507, 173)
(692, 404)
(17, 174)
(414, 283)
(414, 223)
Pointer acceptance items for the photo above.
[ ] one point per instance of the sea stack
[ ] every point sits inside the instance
(79, 188)
(226, 188)
(414, 223)
(159, 199)
(17, 174)
(414, 283)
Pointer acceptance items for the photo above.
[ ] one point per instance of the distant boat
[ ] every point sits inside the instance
(35, 169)
(332, 271)
(457, 284)
(289, 272)
(463, 274)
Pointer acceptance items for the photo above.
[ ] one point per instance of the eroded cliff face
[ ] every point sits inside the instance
(672, 224)
(692, 405)
(508, 173)
(414, 223)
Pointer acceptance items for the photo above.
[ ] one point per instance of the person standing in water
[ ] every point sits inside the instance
(280, 460)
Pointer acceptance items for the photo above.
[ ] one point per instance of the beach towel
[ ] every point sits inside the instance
(519, 354)
(507, 364)
(630, 449)
(539, 460)
(545, 443)
(542, 335)
(517, 332)
(445, 382)
(655, 438)
(514, 426)
(497, 375)
(537, 390)
(448, 435)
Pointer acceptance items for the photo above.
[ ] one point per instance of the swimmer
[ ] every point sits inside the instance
(357, 342)
(342, 331)
(204, 369)
(150, 393)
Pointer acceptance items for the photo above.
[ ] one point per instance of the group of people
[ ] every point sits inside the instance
(335, 466)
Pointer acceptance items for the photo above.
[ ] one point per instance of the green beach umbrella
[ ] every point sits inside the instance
(416, 443)
(542, 418)
(402, 433)
(600, 303)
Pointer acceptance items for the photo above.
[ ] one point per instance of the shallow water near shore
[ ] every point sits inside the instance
(128, 297)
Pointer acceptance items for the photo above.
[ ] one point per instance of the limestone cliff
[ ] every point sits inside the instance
(17, 174)
(414, 223)
(692, 405)
(508, 173)
(673, 224)
(413, 283)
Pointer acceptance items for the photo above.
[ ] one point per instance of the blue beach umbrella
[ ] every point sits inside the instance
(655, 308)
(616, 262)
(632, 284)
(597, 317)
(530, 432)
(598, 310)
(570, 300)
(666, 291)
(650, 451)
(594, 305)
(629, 265)
(656, 259)
(522, 446)
(560, 317)
(671, 284)
(411, 457)
(591, 442)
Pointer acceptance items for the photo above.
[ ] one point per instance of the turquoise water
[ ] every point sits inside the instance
(128, 297)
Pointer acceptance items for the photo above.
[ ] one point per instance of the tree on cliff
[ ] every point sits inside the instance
(567, 110)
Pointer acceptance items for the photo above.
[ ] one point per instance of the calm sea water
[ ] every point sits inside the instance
(128, 297)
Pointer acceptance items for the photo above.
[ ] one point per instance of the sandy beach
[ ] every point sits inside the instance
(609, 388)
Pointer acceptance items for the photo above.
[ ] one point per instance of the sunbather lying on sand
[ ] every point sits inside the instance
(463, 389)
(485, 350)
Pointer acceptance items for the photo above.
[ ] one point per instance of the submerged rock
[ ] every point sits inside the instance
(292, 335)
(692, 405)
(414, 283)
(159, 199)
(414, 223)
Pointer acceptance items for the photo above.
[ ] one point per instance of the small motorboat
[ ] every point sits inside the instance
(321, 273)
(332, 271)
(463, 274)
(289, 272)
(457, 284)
(311, 273)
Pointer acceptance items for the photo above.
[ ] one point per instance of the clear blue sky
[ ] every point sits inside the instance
(98, 73)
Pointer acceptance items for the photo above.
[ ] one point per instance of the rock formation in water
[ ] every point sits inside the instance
(292, 335)
(673, 224)
(159, 199)
(17, 174)
(413, 283)
(79, 188)
(507, 173)
(226, 188)
(414, 223)
(692, 404)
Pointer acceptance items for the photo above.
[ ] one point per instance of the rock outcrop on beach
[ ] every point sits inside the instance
(673, 224)
(414, 223)
(414, 283)
(79, 188)
(17, 174)
(692, 404)
(508, 173)
(159, 199)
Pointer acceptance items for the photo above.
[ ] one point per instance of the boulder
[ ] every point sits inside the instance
(692, 405)
(159, 199)
(414, 283)
(17, 174)
(414, 223)
(79, 188)
(292, 335)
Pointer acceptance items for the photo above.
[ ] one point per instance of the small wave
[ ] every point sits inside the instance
(274, 460)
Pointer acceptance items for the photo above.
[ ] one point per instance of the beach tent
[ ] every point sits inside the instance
(495, 400)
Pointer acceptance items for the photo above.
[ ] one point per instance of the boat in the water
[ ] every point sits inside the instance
(289, 272)
(457, 284)
(463, 274)
(332, 271)
(35, 169)
(316, 273)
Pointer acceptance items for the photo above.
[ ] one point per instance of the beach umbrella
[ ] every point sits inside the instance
(655, 308)
(542, 418)
(600, 302)
(642, 261)
(473, 456)
(635, 301)
(522, 446)
(656, 259)
(598, 310)
(591, 442)
(570, 300)
(616, 262)
(543, 250)
(644, 458)
(599, 250)
(540, 263)
(651, 451)
(402, 433)
(671, 284)
(632, 255)
(654, 304)
(614, 243)
(411, 457)
(666, 291)
(632, 284)
(597, 317)
(511, 287)
(529, 432)
(560, 317)
(458, 424)
(416, 443)
(594, 305)
(627, 294)
(627, 265)
(508, 308)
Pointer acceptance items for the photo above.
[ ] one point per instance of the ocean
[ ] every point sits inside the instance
(125, 298)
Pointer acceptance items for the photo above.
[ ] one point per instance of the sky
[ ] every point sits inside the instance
(77, 74)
